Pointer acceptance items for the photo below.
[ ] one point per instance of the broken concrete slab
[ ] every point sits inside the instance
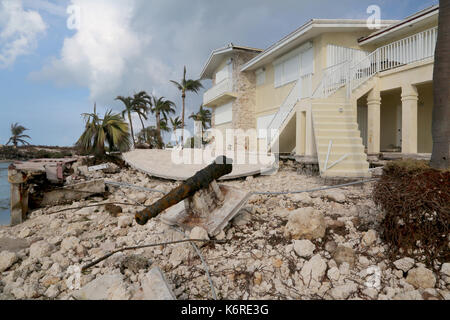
(213, 222)
(154, 286)
(73, 192)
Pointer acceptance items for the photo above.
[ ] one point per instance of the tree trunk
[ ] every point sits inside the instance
(183, 97)
(131, 128)
(143, 127)
(440, 158)
(158, 129)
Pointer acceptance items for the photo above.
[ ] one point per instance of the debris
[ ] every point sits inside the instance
(305, 223)
(106, 287)
(421, 278)
(404, 264)
(344, 254)
(73, 192)
(155, 287)
(369, 238)
(7, 259)
(199, 233)
(125, 221)
(304, 248)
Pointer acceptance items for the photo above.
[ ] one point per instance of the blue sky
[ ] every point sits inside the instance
(49, 74)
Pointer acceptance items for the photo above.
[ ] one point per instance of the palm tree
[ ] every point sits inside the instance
(176, 124)
(129, 109)
(17, 135)
(204, 116)
(440, 158)
(185, 86)
(149, 135)
(161, 108)
(112, 131)
(141, 106)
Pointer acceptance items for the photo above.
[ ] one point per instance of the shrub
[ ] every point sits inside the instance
(416, 201)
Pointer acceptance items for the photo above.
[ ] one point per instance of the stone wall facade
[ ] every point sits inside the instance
(244, 107)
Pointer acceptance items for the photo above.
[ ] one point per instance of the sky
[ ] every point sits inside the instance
(59, 57)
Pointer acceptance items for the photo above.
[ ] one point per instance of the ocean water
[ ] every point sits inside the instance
(4, 194)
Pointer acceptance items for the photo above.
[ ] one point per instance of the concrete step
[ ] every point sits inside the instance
(335, 119)
(339, 140)
(330, 125)
(334, 112)
(340, 148)
(346, 173)
(350, 156)
(339, 133)
(347, 165)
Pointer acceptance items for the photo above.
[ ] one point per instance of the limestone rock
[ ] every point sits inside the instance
(303, 198)
(344, 291)
(40, 249)
(421, 278)
(369, 238)
(333, 274)
(7, 259)
(154, 287)
(344, 254)
(69, 243)
(335, 195)
(314, 269)
(445, 269)
(404, 264)
(243, 218)
(106, 287)
(25, 233)
(305, 223)
(304, 248)
(125, 221)
(134, 263)
(200, 234)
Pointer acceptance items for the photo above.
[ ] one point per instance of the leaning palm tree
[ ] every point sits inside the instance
(185, 86)
(141, 106)
(129, 109)
(111, 131)
(161, 108)
(17, 135)
(440, 158)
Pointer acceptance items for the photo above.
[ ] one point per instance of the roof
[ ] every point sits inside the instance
(308, 31)
(421, 18)
(217, 56)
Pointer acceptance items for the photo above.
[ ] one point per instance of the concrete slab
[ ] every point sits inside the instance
(216, 220)
(159, 164)
(73, 192)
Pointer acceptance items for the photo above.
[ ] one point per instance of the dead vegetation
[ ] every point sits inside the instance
(416, 201)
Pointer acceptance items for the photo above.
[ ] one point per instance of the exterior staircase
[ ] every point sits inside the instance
(340, 148)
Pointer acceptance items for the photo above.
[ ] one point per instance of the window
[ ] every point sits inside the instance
(287, 71)
(223, 114)
(224, 73)
(260, 77)
(307, 62)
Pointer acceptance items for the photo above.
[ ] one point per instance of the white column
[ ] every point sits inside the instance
(373, 121)
(410, 98)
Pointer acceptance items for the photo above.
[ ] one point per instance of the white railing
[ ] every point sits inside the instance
(405, 51)
(282, 114)
(353, 74)
(333, 79)
(219, 89)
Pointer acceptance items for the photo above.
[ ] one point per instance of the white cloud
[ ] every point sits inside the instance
(19, 31)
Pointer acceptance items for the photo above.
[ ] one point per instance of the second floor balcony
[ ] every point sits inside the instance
(219, 94)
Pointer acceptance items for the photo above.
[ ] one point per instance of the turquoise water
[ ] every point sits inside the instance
(4, 194)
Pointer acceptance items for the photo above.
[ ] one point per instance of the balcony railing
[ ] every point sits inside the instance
(355, 73)
(223, 87)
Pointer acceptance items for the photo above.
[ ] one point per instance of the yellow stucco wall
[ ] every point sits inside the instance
(388, 119)
(424, 116)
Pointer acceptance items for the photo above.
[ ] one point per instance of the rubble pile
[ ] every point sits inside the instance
(319, 245)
